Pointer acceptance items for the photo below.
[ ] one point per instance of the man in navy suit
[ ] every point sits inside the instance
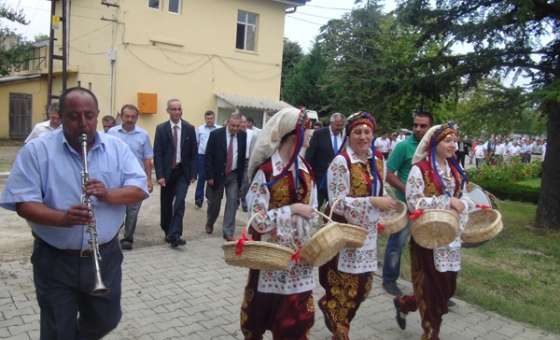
(174, 156)
(323, 146)
(225, 166)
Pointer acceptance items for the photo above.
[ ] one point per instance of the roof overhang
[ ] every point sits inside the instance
(240, 102)
(23, 77)
(292, 3)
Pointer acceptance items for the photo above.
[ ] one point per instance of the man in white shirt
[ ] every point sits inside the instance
(382, 144)
(500, 151)
(202, 134)
(52, 124)
(479, 153)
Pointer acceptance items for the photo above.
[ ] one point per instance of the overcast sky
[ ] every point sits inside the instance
(301, 26)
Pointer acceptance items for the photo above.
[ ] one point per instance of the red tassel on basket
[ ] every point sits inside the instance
(483, 206)
(415, 214)
(296, 257)
(380, 228)
(240, 244)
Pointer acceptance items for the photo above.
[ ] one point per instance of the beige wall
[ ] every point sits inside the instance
(205, 62)
(35, 87)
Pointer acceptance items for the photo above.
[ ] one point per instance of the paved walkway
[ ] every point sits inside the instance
(192, 294)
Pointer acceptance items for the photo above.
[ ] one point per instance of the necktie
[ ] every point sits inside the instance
(174, 158)
(229, 157)
(335, 144)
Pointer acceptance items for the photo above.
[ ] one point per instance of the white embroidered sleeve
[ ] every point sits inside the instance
(356, 210)
(415, 193)
(258, 197)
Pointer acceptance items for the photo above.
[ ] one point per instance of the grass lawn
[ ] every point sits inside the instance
(516, 275)
(533, 183)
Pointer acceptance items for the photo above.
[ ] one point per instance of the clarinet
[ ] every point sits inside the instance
(99, 288)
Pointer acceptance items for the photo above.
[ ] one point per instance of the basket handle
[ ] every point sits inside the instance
(338, 200)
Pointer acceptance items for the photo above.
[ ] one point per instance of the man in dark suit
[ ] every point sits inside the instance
(174, 155)
(225, 165)
(323, 146)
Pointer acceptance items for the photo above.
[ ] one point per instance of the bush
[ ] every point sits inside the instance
(500, 180)
(509, 173)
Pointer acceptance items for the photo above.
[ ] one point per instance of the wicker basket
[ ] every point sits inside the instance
(483, 225)
(257, 254)
(396, 220)
(330, 240)
(435, 228)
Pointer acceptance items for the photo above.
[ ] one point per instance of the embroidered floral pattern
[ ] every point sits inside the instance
(277, 224)
(349, 186)
(421, 193)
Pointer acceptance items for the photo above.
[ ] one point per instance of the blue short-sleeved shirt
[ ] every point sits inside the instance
(48, 170)
(137, 140)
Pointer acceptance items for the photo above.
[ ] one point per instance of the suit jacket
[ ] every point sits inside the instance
(163, 150)
(320, 153)
(216, 155)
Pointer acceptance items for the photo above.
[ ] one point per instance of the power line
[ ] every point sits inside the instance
(331, 8)
(314, 15)
(307, 21)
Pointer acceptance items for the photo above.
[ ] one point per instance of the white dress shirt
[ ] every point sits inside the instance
(339, 139)
(178, 151)
(234, 140)
(40, 129)
(202, 134)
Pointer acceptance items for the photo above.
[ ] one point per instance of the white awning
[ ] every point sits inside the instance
(236, 101)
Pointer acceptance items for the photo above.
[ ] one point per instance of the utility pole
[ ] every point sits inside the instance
(58, 20)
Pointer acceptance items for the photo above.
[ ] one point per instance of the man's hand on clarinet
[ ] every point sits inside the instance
(97, 188)
(77, 214)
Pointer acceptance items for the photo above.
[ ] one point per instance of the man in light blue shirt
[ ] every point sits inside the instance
(138, 141)
(44, 187)
(202, 134)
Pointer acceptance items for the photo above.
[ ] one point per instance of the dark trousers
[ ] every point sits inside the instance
(199, 193)
(63, 284)
(215, 193)
(172, 202)
(322, 192)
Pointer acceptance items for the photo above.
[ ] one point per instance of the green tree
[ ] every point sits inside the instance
(371, 66)
(303, 85)
(13, 48)
(291, 55)
(501, 37)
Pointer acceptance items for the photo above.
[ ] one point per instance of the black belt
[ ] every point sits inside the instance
(77, 252)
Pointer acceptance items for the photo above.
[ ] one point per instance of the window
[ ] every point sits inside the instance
(246, 38)
(175, 6)
(153, 4)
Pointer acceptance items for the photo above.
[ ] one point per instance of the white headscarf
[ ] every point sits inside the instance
(268, 140)
(424, 145)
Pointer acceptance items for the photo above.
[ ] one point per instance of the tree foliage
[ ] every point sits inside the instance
(497, 38)
(13, 48)
(291, 55)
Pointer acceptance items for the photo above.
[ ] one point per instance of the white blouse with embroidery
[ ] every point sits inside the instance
(446, 258)
(357, 211)
(288, 230)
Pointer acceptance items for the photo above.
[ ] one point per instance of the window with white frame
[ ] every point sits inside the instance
(246, 38)
(174, 6)
(154, 4)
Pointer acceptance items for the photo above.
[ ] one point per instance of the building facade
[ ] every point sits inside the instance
(218, 55)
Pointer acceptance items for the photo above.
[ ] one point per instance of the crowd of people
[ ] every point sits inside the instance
(279, 175)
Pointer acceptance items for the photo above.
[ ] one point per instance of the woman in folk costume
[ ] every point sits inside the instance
(283, 195)
(436, 181)
(355, 187)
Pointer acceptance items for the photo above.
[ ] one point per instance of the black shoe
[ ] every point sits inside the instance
(392, 288)
(174, 244)
(451, 303)
(198, 204)
(209, 229)
(180, 241)
(126, 245)
(400, 317)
